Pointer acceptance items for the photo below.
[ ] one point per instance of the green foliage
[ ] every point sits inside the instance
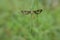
(14, 25)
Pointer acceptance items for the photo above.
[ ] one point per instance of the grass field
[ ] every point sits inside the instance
(14, 25)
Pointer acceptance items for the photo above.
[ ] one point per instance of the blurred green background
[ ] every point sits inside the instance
(14, 25)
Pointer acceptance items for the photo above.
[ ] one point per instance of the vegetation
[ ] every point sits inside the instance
(14, 25)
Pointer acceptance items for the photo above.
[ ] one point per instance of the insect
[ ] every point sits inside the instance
(32, 11)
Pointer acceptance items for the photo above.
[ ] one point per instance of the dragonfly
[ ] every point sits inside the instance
(32, 11)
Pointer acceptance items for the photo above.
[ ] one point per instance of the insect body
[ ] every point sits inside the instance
(30, 12)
